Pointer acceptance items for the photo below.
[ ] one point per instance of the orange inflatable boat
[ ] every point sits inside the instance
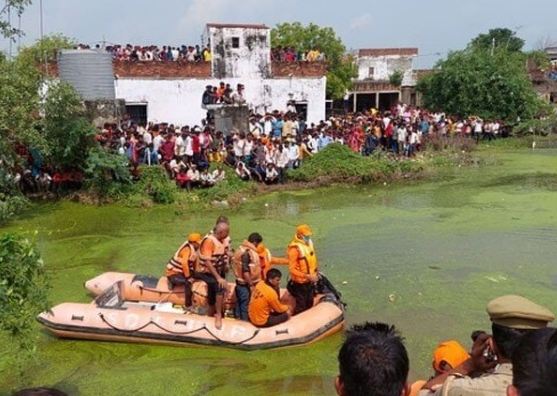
(151, 289)
(134, 309)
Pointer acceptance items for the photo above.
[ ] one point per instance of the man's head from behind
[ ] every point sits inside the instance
(535, 365)
(373, 361)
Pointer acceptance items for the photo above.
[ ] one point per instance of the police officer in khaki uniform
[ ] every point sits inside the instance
(489, 369)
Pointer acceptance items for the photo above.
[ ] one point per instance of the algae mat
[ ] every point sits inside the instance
(426, 257)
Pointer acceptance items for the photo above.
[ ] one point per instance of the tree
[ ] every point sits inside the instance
(11, 7)
(24, 287)
(45, 49)
(341, 68)
(473, 82)
(396, 78)
(499, 38)
(68, 134)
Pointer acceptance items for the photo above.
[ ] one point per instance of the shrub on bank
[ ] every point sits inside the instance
(11, 199)
(107, 174)
(337, 163)
(539, 127)
(154, 182)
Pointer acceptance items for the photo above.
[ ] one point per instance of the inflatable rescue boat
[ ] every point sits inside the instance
(134, 308)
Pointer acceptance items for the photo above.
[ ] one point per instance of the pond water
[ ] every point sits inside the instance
(426, 257)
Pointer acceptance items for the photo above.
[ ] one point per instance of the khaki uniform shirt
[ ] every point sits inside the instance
(492, 384)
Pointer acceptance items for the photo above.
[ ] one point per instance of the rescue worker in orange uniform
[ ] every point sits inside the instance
(303, 267)
(212, 266)
(265, 308)
(267, 259)
(180, 267)
(247, 270)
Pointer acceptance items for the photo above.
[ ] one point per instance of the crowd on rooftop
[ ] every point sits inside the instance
(194, 53)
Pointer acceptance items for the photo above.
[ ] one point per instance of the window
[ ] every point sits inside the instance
(235, 42)
(371, 72)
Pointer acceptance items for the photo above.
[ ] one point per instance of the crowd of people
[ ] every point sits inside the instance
(194, 53)
(223, 94)
(270, 146)
(279, 141)
(150, 53)
(290, 54)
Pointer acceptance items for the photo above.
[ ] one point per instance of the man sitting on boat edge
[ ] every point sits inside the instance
(180, 267)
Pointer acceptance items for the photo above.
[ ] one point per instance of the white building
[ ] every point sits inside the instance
(375, 68)
(171, 91)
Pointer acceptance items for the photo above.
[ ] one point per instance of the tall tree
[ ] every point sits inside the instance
(15, 8)
(499, 38)
(341, 68)
(474, 82)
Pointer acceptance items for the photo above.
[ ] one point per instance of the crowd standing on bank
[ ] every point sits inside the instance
(272, 144)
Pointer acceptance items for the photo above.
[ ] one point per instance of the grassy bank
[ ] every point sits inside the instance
(335, 165)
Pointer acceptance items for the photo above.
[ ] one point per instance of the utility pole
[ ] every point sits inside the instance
(9, 26)
(492, 46)
(42, 36)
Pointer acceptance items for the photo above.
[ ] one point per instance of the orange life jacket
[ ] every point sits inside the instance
(175, 265)
(254, 264)
(218, 255)
(265, 260)
(307, 260)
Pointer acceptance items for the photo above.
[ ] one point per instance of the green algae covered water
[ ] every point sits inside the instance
(426, 257)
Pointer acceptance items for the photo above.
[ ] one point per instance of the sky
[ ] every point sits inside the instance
(434, 26)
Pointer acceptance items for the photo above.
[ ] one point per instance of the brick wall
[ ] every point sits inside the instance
(162, 69)
(374, 86)
(199, 70)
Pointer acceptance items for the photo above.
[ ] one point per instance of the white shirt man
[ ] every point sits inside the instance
(248, 146)
(255, 129)
(281, 159)
(157, 142)
(180, 146)
(414, 138)
(293, 153)
(238, 147)
(147, 137)
(189, 146)
(312, 144)
(271, 173)
(478, 128)
(495, 128)
(193, 174)
(402, 134)
(268, 126)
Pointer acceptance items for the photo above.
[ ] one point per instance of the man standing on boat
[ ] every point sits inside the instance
(181, 266)
(302, 264)
(247, 270)
(212, 265)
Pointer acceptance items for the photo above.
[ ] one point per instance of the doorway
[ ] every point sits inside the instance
(137, 113)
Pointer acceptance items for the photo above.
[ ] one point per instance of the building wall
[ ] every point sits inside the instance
(252, 59)
(179, 100)
(383, 66)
